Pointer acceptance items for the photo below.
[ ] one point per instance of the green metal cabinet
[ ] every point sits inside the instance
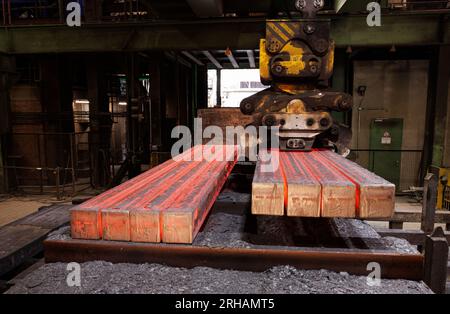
(386, 136)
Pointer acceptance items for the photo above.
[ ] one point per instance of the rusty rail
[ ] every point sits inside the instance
(393, 265)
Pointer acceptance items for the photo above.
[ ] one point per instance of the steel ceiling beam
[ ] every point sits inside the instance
(212, 59)
(338, 4)
(236, 33)
(251, 58)
(230, 57)
(190, 56)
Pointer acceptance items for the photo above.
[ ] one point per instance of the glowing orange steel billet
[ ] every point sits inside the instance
(110, 197)
(338, 193)
(330, 163)
(375, 195)
(184, 213)
(189, 186)
(303, 190)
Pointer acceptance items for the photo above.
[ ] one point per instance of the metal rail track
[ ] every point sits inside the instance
(353, 261)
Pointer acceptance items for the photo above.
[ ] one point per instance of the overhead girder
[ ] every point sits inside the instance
(211, 34)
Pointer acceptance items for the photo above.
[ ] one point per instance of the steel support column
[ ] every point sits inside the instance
(445, 99)
(439, 97)
(133, 115)
(7, 69)
(100, 133)
(218, 88)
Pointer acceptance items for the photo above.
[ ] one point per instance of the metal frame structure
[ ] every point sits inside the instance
(42, 167)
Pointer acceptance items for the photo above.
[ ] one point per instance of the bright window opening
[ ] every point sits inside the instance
(235, 85)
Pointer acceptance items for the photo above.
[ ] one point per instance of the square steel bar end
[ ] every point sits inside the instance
(85, 223)
(116, 224)
(145, 225)
(178, 225)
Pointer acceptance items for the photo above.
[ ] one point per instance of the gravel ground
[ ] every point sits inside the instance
(107, 278)
(225, 229)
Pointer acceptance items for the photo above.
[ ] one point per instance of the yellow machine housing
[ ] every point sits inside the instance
(296, 52)
(296, 60)
(443, 198)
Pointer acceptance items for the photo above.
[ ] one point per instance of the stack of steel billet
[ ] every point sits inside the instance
(168, 203)
(321, 184)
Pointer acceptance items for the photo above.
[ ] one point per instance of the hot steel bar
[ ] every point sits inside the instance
(321, 183)
(174, 197)
(268, 189)
(303, 197)
(376, 197)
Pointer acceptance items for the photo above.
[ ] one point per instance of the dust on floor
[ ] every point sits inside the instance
(13, 208)
(106, 278)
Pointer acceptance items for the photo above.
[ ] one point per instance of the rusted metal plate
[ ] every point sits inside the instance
(51, 217)
(18, 243)
(393, 265)
(22, 239)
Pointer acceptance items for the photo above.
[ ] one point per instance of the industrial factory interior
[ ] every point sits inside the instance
(242, 147)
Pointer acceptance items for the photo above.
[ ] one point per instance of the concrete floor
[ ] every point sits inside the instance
(13, 208)
(17, 206)
(404, 203)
